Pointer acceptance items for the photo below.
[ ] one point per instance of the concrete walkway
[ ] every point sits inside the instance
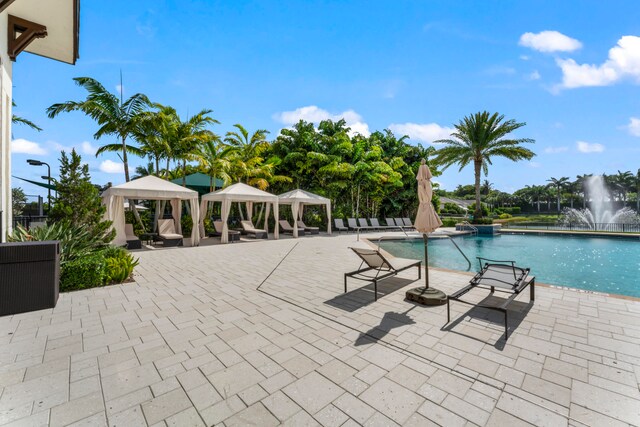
(193, 343)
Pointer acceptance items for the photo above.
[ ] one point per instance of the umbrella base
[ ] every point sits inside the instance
(426, 296)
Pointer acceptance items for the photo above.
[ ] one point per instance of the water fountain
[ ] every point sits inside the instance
(600, 216)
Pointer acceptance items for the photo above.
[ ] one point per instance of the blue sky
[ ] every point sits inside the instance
(570, 70)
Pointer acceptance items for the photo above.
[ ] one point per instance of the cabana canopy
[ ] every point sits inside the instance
(239, 193)
(297, 199)
(149, 188)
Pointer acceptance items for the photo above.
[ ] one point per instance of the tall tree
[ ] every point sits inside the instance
(115, 116)
(213, 156)
(558, 184)
(477, 139)
(623, 182)
(78, 201)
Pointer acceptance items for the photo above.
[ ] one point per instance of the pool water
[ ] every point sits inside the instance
(610, 265)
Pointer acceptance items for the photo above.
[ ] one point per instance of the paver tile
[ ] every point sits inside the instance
(313, 392)
(393, 400)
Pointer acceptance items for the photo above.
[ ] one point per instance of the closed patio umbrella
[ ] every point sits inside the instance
(427, 220)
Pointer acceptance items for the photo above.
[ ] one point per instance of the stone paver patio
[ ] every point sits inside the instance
(193, 343)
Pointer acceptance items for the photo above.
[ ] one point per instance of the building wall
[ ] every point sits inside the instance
(5, 130)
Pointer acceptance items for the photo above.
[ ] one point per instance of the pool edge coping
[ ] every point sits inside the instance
(546, 285)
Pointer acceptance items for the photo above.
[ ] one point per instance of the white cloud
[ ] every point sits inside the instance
(634, 126)
(554, 150)
(534, 165)
(109, 166)
(427, 132)
(315, 115)
(88, 148)
(535, 75)
(623, 62)
(23, 146)
(119, 89)
(524, 57)
(588, 147)
(549, 41)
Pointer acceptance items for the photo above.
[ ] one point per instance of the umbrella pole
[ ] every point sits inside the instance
(426, 260)
(424, 294)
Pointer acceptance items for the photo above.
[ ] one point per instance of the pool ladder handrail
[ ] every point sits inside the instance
(474, 230)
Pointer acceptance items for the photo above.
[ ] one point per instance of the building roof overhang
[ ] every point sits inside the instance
(58, 40)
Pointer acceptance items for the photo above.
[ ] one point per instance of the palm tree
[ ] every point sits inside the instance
(559, 184)
(182, 139)
(150, 132)
(536, 192)
(144, 170)
(478, 138)
(213, 156)
(248, 161)
(22, 121)
(638, 191)
(115, 116)
(486, 187)
(582, 181)
(623, 182)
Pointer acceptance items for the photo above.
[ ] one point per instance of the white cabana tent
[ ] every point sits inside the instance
(239, 193)
(298, 199)
(150, 188)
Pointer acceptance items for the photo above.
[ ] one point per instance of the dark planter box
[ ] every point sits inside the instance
(29, 276)
(482, 228)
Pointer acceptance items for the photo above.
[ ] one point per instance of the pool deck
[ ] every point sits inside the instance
(194, 342)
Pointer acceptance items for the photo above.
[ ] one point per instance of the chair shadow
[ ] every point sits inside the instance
(517, 312)
(363, 296)
(389, 321)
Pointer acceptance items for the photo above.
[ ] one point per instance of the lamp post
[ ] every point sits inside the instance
(33, 162)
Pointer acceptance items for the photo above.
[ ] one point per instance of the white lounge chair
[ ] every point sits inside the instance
(167, 233)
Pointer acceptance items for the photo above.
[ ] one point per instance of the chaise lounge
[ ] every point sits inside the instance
(167, 233)
(339, 225)
(257, 233)
(287, 228)
(133, 242)
(373, 261)
(310, 230)
(500, 276)
(234, 235)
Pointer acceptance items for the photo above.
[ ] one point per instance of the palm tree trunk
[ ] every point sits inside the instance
(478, 213)
(184, 173)
(125, 161)
(157, 166)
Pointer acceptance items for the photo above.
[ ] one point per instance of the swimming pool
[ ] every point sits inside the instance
(610, 265)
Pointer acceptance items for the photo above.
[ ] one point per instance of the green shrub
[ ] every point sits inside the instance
(76, 241)
(472, 207)
(186, 222)
(449, 222)
(82, 273)
(482, 221)
(119, 265)
(145, 216)
(452, 208)
(505, 216)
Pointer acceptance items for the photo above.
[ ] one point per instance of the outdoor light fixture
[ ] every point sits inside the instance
(33, 162)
